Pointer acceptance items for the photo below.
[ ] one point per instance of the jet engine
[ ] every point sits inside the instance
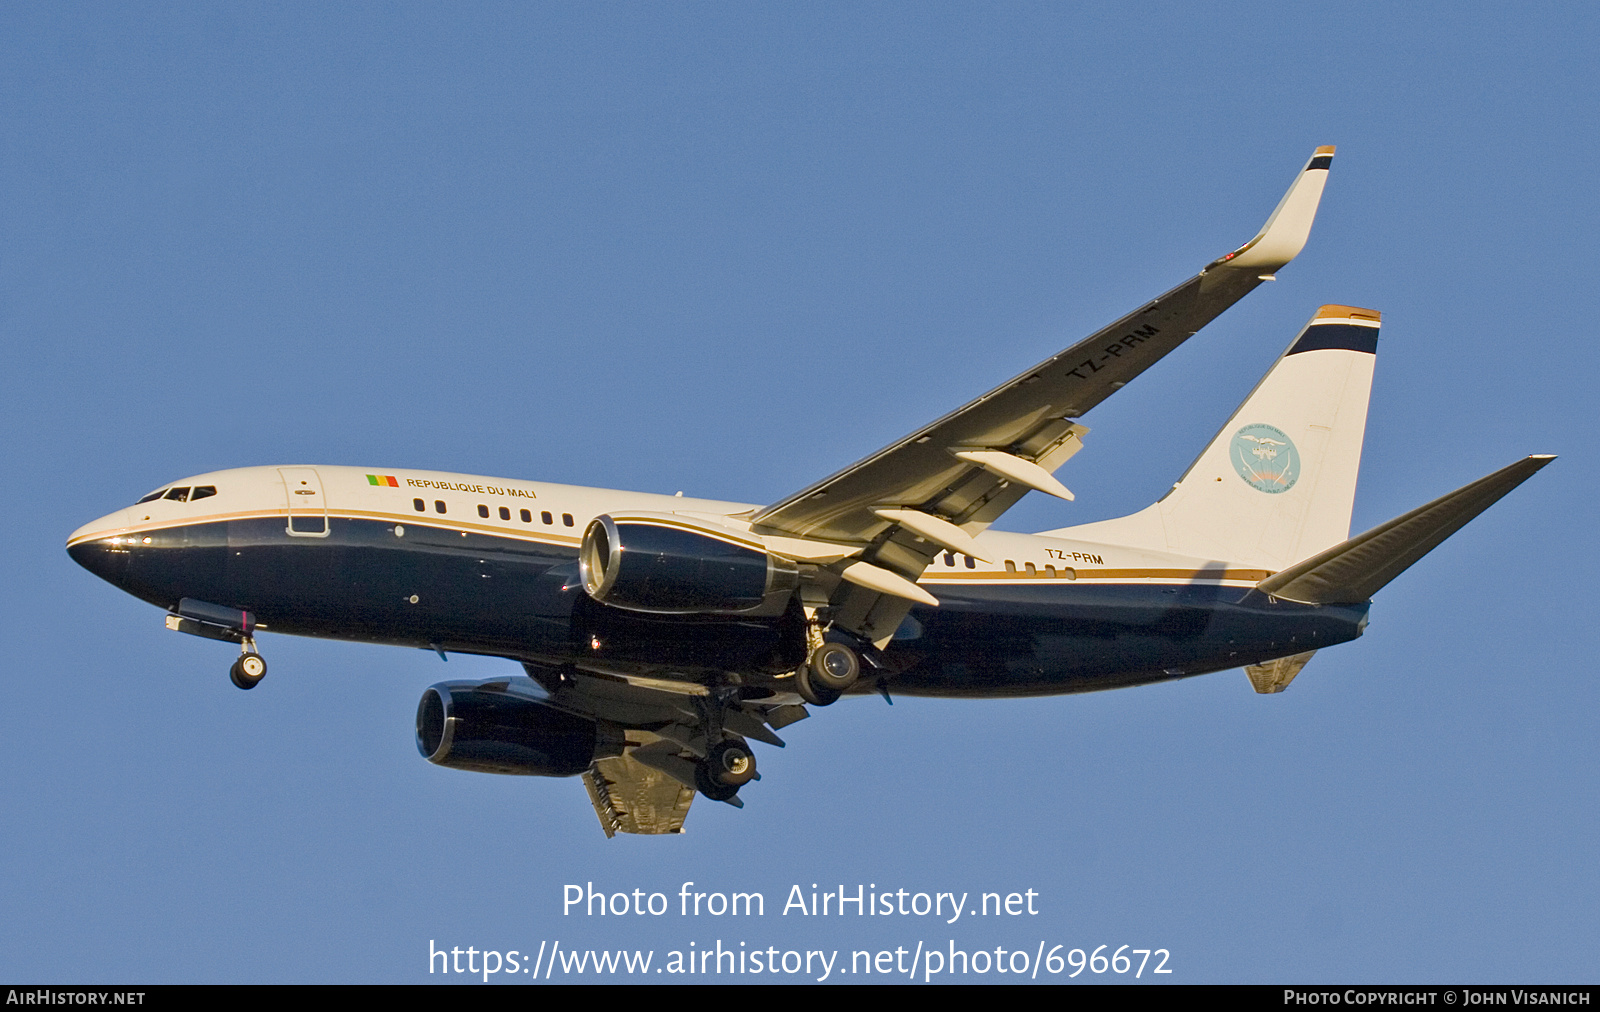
(668, 564)
(480, 726)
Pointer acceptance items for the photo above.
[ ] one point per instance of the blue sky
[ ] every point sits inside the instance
(728, 249)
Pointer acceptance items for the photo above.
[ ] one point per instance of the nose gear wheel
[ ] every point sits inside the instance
(248, 671)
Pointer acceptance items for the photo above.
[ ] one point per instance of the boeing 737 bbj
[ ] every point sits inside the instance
(660, 635)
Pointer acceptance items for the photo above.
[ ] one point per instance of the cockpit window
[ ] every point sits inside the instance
(153, 496)
(179, 494)
(202, 492)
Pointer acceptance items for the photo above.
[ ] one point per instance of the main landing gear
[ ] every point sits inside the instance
(828, 673)
(248, 671)
(728, 767)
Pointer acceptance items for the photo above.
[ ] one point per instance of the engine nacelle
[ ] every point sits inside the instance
(479, 726)
(670, 565)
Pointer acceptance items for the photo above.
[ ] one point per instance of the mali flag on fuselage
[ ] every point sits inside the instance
(383, 479)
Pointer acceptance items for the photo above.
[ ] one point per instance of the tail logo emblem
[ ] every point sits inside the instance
(1265, 457)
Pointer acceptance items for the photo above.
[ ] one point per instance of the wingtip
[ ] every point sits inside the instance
(1326, 149)
(1284, 235)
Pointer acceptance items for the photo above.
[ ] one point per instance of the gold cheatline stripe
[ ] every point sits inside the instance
(1252, 575)
(422, 519)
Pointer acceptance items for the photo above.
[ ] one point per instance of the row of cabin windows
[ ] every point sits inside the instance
(182, 493)
(1049, 571)
(1011, 567)
(505, 513)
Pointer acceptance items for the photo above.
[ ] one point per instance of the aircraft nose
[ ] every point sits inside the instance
(97, 548)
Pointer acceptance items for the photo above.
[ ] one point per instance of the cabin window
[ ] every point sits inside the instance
(527, 517)
(202, 492)
(419, 505)
(179, 494)
(1011, 567)
(438, 505)
(949, 558)
(1032, 570)
(547, 518)
(971, 564)
(153, 496)
(483, 511)
(1051, 571)
(505, 514)
(566, 518)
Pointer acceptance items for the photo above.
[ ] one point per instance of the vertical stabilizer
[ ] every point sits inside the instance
(1278, 483)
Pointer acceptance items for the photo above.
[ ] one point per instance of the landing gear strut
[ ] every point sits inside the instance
(729, 766)
(831, 669)
(248, 671)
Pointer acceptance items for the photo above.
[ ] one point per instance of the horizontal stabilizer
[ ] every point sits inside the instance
(1350, 573)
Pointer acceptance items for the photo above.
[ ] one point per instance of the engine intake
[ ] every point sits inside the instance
(667, 564)
(481, 727)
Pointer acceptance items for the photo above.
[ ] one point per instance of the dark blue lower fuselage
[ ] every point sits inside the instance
(471, 592)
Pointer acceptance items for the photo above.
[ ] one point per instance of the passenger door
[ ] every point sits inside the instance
(308, 507)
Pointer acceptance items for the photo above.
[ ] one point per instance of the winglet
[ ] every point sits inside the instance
(1285, 233)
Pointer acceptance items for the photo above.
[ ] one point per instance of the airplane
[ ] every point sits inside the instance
(659, 636)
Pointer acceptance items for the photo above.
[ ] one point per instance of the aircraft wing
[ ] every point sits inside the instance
(938, 487)
(655, 732)
(971, 465)
(630, 797)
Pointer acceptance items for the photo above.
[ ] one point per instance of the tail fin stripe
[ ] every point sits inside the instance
(1342, 336)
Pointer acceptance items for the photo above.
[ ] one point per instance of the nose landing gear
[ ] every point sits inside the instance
(248, 671)
(219, 622)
